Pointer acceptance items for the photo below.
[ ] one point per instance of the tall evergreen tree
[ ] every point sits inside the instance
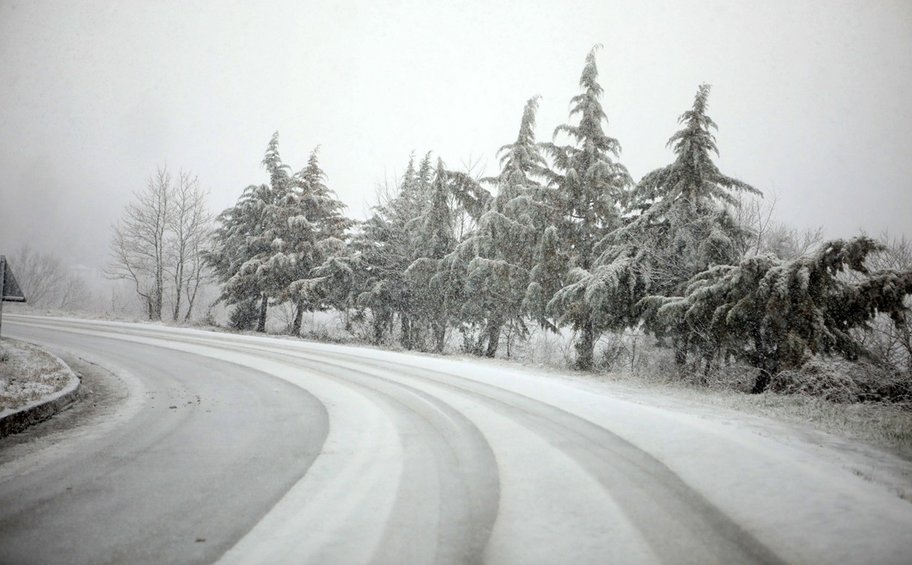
(269, 243)
(377, 245)
(433, 285)
(501, 252)
(682, 225)
(385, 246)
(241, 245)
(590, 186)
(686, 204)
(312, 228)
(275, 264)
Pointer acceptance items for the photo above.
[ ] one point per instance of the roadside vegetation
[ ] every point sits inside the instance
(559, 258)
(563, 240)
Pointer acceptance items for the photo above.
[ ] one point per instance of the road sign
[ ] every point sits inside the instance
(9, 288)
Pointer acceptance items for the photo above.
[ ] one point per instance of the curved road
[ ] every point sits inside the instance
(248, 449)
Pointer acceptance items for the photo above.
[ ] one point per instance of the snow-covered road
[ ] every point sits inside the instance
(282, 451)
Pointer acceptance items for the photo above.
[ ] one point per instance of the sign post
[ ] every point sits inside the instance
(9, 288)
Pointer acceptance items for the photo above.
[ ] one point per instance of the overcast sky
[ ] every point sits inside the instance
(813, 99)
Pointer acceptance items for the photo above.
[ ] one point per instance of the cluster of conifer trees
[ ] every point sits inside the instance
(562, 236)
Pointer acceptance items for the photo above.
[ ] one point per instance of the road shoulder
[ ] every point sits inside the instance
(100, 394)
(36, 385)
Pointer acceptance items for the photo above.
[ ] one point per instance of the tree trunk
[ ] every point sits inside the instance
(378, 323)
(767, 361)
(159, 291)
(763, 381)
(178, 286)
(679, 345)
(191, 298)
(494, 328)
(299, 315)
(439, 336)
(585, 346)
(261, 319)
(406, 337)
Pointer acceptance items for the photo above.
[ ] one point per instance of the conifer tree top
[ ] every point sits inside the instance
(278, 171)
(696, 135)
(522, 155)
(692, 176)
(590, 131)
(587, 173)
(312, 174)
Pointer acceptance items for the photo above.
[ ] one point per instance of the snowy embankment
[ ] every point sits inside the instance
(33, 385)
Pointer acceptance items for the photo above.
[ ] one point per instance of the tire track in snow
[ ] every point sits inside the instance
(462, 505)
(679, 524)
(674, 519)
(173, 472)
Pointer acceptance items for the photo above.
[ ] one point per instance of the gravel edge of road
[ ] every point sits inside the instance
(43, 408)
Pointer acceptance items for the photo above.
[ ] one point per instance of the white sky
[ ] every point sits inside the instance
(812, 98)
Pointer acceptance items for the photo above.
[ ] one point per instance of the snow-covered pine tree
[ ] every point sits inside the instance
(385, 247)
(501, 251)
(688, 202)
(380, 266)
(240, 246)
(546, 278)
(312, 228)
(417, 191)
(407, 210)
(434, 284)
(776, 314)
(274, 268)
(277, 233)
(590, 186)
(681, 224)
(229, 250)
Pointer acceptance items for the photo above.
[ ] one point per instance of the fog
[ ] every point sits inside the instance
(811, 98)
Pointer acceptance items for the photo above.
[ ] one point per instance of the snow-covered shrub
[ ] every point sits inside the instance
(730, 376)
(611, 350)
(842, 381)
(654, 362)
(776, 315)
(542, 348)
(244, 315)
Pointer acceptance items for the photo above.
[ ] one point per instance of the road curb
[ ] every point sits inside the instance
(43, 408)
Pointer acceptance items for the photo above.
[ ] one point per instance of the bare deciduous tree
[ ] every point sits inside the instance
(189, 224)
(790, 243)
(158, 242)
(757, 215)
(73, 292)
(891, 342)
(47, 282)
(38, 274)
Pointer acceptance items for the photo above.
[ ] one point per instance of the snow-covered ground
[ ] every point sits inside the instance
(27, 374)
(874, 425)
(428, 456)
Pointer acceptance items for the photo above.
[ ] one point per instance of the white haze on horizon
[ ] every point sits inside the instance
(811, 98)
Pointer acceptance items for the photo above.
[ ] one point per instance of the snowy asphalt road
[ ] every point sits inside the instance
(279, 451)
